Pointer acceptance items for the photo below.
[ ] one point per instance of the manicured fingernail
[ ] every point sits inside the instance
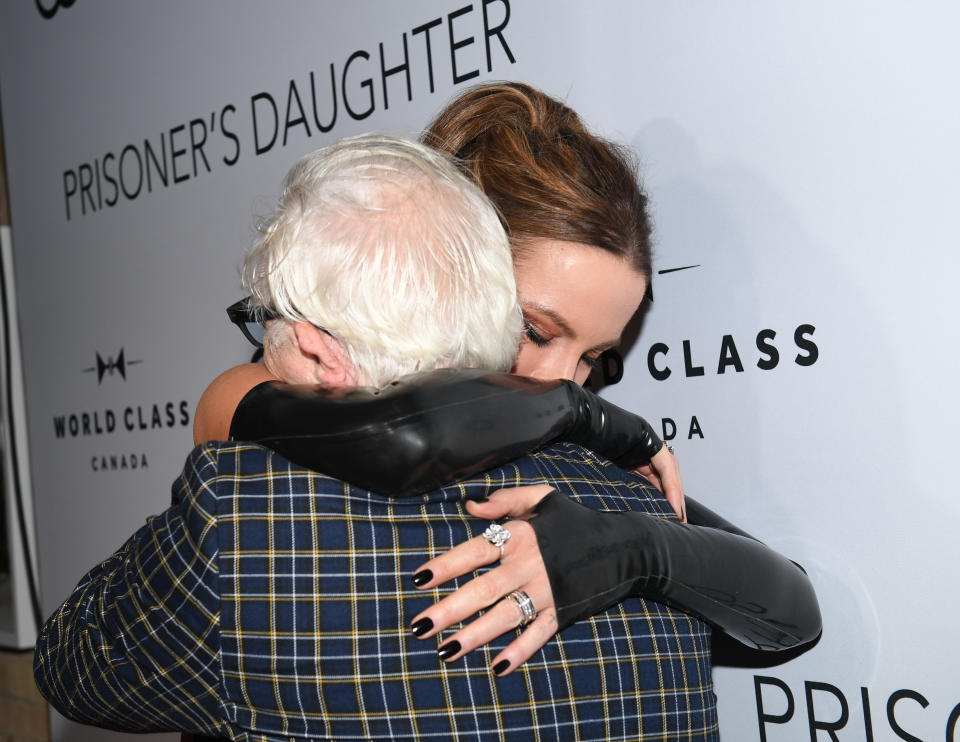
(501, 666)
(422, 577)
(449, 649)
(421, 627)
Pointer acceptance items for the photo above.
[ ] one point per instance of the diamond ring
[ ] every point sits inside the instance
(497, 535)
(525, 603)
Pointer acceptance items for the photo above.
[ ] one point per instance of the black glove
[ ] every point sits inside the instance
(707, 568)
(432, 429)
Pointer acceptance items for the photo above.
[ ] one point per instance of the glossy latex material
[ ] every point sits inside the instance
(433, 429)
(707, 568)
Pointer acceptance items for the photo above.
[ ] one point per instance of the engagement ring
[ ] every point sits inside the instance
(497, 535)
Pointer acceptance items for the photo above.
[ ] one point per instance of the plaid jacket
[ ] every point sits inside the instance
(272, 602)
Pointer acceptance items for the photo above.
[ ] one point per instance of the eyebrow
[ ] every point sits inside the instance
(558, 320)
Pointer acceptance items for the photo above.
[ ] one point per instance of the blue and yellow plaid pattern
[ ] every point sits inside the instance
(272, 602)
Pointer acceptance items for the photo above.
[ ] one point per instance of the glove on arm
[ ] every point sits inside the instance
(432, 429)
(707, 568)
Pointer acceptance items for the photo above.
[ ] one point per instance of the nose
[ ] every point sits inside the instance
(557, 366)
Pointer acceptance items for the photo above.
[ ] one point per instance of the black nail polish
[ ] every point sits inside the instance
(422, 577)
(501, 666)
(421, 627)
(449, 649)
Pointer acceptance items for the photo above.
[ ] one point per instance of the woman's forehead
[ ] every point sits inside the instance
(585, 287)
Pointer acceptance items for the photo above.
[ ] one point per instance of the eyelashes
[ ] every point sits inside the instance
(533, 336)
(541, 342)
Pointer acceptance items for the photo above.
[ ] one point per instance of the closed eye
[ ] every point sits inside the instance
(533, 336)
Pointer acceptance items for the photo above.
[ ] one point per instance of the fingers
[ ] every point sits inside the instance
(672, 487)
(502, 617)
(673, 491)
(521, 568)
(650, 474)
(460, 560)
(511, 502)
(527, 644)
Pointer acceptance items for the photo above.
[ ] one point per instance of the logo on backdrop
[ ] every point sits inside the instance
(822, 701)
(113, 424)
(48, 8)
(765, 350)
(110, 366)
(310, 104)
(663, 362)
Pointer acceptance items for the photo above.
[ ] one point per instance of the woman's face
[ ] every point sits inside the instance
(576, 300)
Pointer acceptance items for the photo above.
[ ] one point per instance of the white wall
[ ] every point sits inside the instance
(802, 155)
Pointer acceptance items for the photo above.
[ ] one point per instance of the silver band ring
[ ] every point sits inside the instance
(525, 603)
(497, 535)
(669, 448)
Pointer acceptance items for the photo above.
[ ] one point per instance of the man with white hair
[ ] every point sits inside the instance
(273, 602)
(368, 262)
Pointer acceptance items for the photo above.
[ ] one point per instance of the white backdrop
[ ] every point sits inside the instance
(802, 157)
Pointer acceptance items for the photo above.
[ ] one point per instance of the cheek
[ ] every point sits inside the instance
(583, 373)
(528, 359)
(551, 362)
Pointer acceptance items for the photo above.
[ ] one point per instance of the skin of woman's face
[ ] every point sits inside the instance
(576, 300)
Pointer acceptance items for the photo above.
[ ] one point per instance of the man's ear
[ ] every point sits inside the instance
(331, 364)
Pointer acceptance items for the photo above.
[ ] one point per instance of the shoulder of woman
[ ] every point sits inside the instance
(211, 421)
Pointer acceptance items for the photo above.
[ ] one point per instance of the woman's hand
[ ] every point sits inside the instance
(521, 568)
(663, 471)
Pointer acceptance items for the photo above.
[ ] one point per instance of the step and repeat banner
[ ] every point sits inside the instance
(800, 353)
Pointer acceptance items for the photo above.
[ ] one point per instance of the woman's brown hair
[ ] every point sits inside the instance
(547, 175)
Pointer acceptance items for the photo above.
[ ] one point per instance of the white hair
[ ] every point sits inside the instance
(383, 243)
